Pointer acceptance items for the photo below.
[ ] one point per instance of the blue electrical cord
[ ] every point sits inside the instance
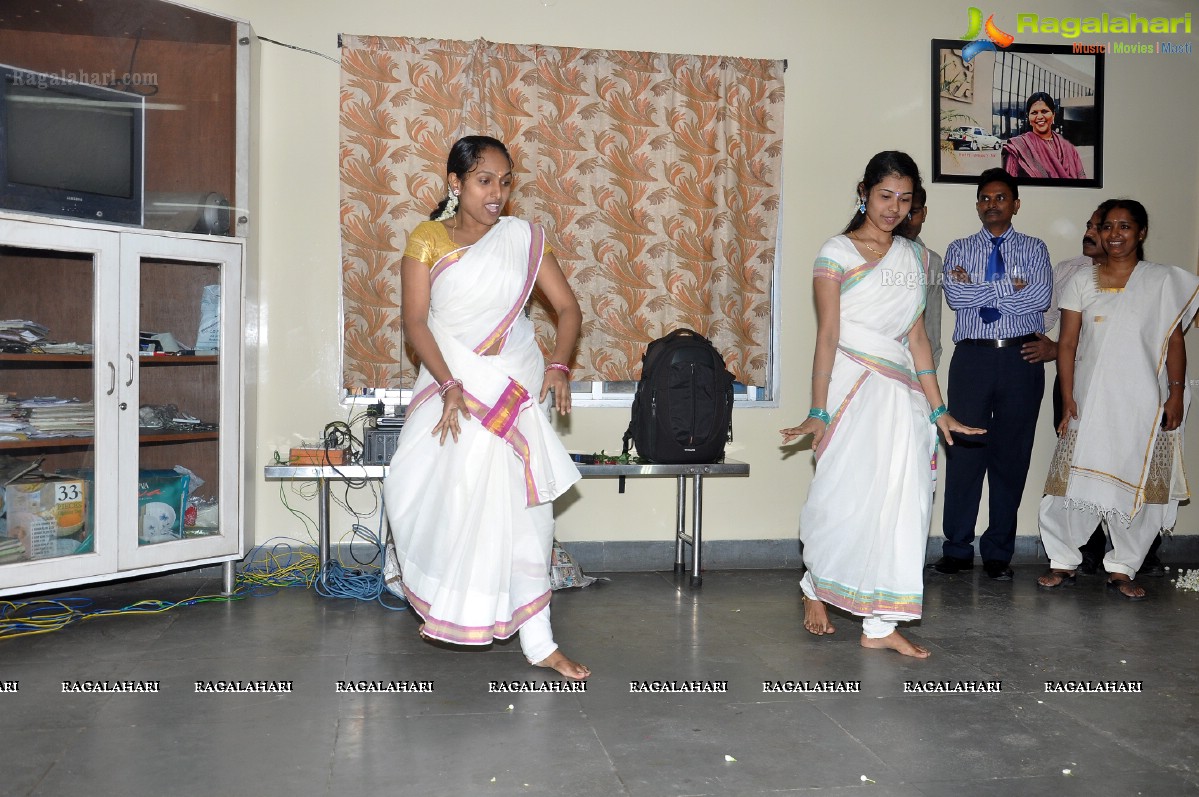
(364, 583)
(40, 616)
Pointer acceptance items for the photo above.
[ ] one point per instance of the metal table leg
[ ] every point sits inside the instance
(227, 578)
(322, 526)
(680, 524)
(697, 522)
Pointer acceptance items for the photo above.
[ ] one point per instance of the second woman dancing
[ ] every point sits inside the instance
(876, 407)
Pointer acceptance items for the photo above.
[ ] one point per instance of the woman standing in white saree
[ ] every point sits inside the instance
(865, 523)
(1122, 363)
(477, 465)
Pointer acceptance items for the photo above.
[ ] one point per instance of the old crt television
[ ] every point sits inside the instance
(70, 149)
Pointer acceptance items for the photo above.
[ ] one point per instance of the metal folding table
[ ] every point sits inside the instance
(324, 475)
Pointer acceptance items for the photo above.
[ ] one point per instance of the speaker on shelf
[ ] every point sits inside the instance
(201, 212)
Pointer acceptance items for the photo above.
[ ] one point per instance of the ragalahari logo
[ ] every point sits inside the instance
(994, 38)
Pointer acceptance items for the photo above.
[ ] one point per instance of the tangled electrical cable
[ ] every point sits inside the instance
(366, 582)
(269, 569)
(278, 567)
(364, 579)
(41, 616)
(281, 566)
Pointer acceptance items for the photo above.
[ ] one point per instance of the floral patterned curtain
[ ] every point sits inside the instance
(656, 177)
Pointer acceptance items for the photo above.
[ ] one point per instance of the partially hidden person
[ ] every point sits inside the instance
(934, 293)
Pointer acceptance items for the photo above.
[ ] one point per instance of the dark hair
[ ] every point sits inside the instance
(1103, 208)
(919, 195)
(464, 156)
(880, 167)
(997, 175)
(1138, 213)
(1039, 96)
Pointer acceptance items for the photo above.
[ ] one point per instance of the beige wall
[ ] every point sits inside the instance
(858, 82)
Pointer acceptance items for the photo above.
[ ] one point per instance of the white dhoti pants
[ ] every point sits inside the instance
(1064, 530)
(537, 637)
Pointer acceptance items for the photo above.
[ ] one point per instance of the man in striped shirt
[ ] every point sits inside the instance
(999, 283)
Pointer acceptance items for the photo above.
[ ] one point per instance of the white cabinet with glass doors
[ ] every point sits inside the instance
(121, 384)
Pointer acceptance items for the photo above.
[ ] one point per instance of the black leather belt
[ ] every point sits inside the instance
(997, 343)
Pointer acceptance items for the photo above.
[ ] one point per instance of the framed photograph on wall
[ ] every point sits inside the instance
(1033, 109)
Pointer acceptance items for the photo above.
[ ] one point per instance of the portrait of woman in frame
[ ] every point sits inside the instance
(1034, 110)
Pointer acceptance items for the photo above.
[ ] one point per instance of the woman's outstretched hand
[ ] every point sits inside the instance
(453, 406)
(947, 424)
(812, 426)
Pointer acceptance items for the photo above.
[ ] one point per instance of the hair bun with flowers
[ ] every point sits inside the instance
(451, 207)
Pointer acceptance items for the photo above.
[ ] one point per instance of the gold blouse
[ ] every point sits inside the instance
(430, 241)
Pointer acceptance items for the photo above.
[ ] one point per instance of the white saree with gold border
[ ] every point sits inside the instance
(1115, 457)
(866, 518)
(470, 519)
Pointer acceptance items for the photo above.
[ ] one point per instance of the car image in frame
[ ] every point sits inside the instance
(972, 138)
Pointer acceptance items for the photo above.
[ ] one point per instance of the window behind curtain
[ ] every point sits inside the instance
(657, 178)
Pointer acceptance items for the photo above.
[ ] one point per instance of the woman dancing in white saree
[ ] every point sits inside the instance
(872, 422)
(471, 515)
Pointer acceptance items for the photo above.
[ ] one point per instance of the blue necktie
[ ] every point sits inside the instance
(995, 271)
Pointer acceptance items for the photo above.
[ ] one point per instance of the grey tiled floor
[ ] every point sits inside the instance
(742, 627)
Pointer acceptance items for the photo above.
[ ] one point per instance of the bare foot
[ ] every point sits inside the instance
(897, 642)
(815, 617)
(569, 669)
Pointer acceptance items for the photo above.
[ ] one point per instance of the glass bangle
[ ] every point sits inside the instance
(818, 412)
(937, 413)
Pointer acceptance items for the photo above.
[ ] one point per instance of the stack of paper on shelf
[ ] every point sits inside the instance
(54, 417)
(11, 427)
(19, 330)
(71, 347)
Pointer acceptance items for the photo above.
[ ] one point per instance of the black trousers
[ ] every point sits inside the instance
(997, 390)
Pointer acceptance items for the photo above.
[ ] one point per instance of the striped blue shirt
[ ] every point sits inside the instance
(1022, 311)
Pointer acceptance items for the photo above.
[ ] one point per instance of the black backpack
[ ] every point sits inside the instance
(683, 408)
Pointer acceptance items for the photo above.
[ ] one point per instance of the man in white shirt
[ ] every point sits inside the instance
(1043, 349)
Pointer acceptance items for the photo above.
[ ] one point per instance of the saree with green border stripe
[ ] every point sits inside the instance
(866, 518)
